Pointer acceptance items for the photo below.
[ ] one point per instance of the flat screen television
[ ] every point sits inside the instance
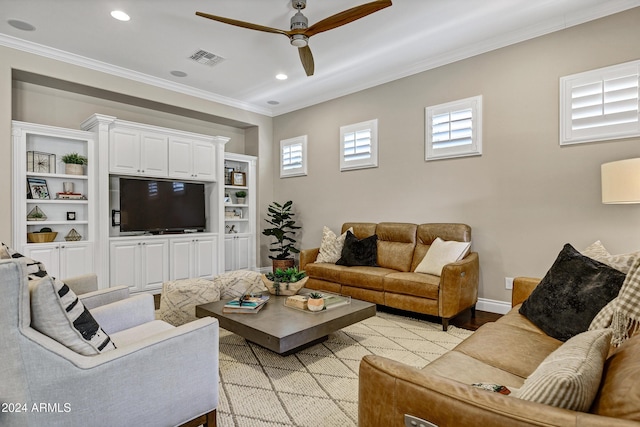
(158, 206)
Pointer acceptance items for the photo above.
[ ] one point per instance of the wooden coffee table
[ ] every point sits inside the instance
(286, 330)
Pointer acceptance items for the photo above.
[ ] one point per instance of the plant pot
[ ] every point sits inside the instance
(283, 264)
(285, 288)
(241, 200)
(73, 169)
(315, 304)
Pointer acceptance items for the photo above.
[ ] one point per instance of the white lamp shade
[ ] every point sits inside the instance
(621, 181)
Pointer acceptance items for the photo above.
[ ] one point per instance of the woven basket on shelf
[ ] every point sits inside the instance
(42, 237)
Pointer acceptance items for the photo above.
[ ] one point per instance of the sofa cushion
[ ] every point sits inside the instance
(572, 292)
(396, 242)
(359, 252)
(427, 233)
(570, 376)
(622, 262)
(331, 246)
(440, 254)
(57, 312)
(619, 392)
(417, 284)
(140, 332)
(364, 277)
(324, 271)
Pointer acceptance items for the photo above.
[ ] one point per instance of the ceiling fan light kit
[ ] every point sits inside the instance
(300, 31)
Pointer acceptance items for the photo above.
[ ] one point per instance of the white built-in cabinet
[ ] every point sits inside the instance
(143, 262)
(37, 155)
(240, 214)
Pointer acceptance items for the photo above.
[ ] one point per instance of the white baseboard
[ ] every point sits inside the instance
(493, 306)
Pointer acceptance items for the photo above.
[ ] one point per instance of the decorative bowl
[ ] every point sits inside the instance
(286, 288)
(42, 237)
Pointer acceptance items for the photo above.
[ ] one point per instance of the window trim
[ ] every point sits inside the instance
(474, 149)
(372, 160)
(569, 135)
(302, 169)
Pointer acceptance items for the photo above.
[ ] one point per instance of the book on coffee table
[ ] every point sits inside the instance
(245, 304)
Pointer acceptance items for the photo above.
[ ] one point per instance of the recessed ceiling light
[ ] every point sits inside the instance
(120, 15)
(178, 73)
(281, 76)
(273, 102)
(21, 25)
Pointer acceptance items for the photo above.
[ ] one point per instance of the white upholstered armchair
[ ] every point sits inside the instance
(158, 375)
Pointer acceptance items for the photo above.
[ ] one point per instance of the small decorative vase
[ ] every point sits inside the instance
(73, 169)
(315, 304)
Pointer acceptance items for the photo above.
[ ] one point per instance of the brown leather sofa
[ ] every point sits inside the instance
(505, 352)
(401, 247)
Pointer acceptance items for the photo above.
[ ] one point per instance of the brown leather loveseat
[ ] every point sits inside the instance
(505, 352)
(394, 282)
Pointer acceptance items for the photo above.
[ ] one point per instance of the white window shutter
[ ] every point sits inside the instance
(293, 157)
(600, 104)
(454, 129)
(359, 145)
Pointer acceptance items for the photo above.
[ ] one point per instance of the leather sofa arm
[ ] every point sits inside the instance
(308, 256)
(522, 288)
(459, 285)
(388, 390)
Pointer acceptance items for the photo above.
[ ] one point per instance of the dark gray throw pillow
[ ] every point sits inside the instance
(359, 252)
(570, 295)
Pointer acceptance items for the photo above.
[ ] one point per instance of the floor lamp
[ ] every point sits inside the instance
(621, 182)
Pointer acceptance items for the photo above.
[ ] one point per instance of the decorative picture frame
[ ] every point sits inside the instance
(115, 217)
(71, 216)
(238, 178)
(41, 162)
(227, 175)
(37, 188)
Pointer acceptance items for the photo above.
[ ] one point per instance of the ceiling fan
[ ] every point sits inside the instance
(300, 31)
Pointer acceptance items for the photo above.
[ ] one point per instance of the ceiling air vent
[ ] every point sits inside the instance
(206, 58)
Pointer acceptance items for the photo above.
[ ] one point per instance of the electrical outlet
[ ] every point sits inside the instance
(508, 282)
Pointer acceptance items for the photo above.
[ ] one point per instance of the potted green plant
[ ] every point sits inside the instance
(240, 196)
(73, 163)
(315, 301)
(285, 282)
(284, 226)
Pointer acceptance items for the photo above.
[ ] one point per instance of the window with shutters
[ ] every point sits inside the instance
(454, 129)
(600, 104)
(293, 157)
(359, 145)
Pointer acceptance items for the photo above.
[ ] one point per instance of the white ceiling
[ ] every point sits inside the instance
(406, 38)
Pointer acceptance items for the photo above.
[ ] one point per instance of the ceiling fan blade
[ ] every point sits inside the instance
(346, 17)
(243, 24)
(307, 59)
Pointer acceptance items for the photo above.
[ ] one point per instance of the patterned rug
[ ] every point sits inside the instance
(318, 386)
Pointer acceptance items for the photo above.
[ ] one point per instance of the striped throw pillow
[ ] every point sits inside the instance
(569, 377)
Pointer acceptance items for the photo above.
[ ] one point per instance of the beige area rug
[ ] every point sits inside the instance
(318, 386)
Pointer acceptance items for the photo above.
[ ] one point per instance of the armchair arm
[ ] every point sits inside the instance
(104, 296)
(388, 390)
(522, 288)
(165, 379)
(125, 314)
(459, 285)
(308, 256)
(82, 284)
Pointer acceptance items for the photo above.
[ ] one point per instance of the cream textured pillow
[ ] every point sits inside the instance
(569, 377)
(621, 262)
(57, 312)
(440, 254)
(331, 246)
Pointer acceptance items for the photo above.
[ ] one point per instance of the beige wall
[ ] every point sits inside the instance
(524, 197)
(68, 106)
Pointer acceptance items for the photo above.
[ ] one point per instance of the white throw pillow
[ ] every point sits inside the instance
(569, 377)
(440, 254)
(621, 262)
(331, 246)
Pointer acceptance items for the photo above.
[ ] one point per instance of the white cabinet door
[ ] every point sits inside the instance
(180, 158)
(155, 264)
(125, 263)
(205, 257)
(229, 253)
(180, 255)
(49, 255)
(204, 161)
(124, 152)
(76, 259)
(154, 154)
(236, 252)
